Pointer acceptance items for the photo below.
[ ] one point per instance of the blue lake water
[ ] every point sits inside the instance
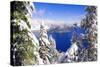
(63, 39)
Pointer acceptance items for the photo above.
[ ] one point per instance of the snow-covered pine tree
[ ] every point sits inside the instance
(53, 51)
(44, 45)
(89, 23)
(24, 45)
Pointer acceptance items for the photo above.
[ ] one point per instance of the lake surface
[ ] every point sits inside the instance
(63, 39)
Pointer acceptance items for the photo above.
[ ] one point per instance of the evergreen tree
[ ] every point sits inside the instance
(53, 51)
(44, 45)
(89, 23)
(24, 45)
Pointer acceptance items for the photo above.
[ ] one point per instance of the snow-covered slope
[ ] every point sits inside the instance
(70, 54)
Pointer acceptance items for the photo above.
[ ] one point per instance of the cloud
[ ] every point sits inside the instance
(50, 13)
(40, 12)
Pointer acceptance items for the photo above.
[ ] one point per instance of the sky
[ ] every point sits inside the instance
(59, 13)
